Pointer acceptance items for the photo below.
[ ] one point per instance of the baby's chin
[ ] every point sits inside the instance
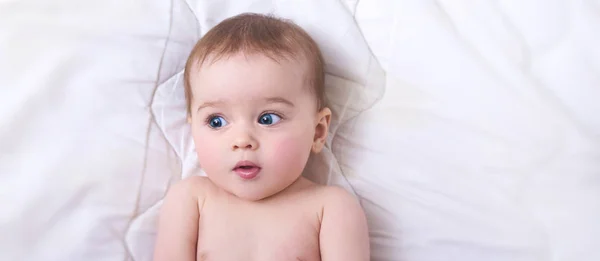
(254, 191)
(254, 194)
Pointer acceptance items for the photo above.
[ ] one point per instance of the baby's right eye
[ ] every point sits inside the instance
(216, 122)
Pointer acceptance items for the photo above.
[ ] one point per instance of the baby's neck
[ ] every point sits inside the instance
(299, 184)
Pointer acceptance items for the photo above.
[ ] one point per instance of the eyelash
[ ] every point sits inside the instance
(272, 112)
(209, 117)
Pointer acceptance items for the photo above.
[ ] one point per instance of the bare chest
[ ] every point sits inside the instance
(238, 232)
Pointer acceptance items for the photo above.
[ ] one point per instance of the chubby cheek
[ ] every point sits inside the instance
(289, 153)
(205, 149)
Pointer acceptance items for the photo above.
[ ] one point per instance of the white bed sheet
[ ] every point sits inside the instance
(486, 137)
(80, 154)
(469, 135)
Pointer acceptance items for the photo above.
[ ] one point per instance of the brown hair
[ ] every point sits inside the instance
(258, 34)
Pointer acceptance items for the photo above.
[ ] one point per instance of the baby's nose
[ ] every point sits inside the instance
(245, 141)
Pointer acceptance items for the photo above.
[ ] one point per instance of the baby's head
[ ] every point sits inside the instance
(254, 88)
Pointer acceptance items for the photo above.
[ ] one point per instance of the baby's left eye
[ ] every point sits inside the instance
(269, 119)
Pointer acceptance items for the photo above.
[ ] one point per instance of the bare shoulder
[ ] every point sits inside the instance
(195, 182)
(337, 197)
(196, 187)
(333, 201)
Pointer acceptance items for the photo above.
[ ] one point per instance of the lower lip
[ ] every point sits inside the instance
(247, 174)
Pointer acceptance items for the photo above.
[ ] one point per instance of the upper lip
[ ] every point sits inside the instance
(245, 163)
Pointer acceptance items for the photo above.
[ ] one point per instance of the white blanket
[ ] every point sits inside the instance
(467, 129)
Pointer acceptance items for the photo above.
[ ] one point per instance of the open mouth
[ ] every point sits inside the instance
(246, 170)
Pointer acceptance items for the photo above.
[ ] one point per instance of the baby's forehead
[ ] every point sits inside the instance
(254, 58)
(254, 66)
(256, 72)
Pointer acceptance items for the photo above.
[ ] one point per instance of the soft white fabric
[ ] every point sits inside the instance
(81, 158)
(486, 138)
(466, 128)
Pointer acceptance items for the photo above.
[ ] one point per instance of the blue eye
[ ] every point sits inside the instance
(269, 119)
(216, 122)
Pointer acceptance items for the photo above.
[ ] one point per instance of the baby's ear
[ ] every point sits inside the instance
(321, 130)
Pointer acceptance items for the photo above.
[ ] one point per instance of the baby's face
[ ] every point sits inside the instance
(254, 123)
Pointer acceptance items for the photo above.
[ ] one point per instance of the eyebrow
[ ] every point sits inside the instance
(279, 100)
(209, 104)
(268, 100)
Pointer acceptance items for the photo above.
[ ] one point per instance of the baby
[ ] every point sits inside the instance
(255, 100)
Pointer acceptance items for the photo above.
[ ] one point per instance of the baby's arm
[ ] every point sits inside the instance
(344, 234)
(178, 222)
